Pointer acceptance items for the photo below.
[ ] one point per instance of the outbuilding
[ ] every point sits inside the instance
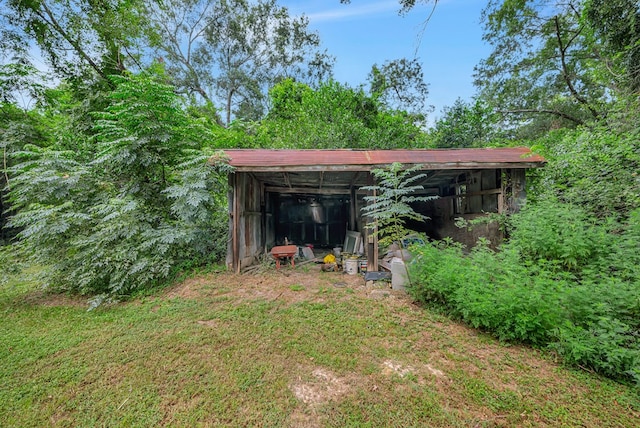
(314, 197)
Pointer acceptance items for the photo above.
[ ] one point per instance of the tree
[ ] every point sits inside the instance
(229, 52)
(333, 116)
(74, 36)
(595, 169)
(400, 85)
(464, 125)
(390, 207)
(143, 202)
(548, 62)
(617, 24)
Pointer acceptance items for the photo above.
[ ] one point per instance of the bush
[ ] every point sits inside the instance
(562, 281)
(594, 168)
(562, 233)
(124, 218)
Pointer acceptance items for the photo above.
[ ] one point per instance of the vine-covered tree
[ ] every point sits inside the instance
(333, 116)
(616, 23)
(465, 124)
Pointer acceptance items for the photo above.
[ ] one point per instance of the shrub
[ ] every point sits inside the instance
(562, 233)
(562, 281)
(126, 217)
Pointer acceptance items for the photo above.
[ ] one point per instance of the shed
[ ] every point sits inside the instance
(314, 196)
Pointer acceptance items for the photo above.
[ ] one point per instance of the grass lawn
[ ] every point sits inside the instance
(300, 348)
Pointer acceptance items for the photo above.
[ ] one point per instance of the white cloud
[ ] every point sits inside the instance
(353, 11)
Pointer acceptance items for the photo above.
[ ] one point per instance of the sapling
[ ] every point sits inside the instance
(389, 205)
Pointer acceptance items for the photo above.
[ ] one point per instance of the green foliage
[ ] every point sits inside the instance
(565, 234)
(400, 85)
(617, 24)
(596, 169)
(589, 314)
(9, 263)
(230, 52)
(121, 220)
(389, 206)
(550, 67)
(559, 282)
(333, 116)
(79, 39)
(464, 125)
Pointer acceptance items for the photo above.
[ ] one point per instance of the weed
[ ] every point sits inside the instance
(558, 283)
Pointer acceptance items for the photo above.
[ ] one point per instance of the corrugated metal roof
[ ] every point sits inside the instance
(345, 159)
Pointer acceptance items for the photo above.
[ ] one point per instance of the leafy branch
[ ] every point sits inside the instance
(389, 206)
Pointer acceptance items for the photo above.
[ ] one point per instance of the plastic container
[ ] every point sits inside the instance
(398, 274)
(351, 266)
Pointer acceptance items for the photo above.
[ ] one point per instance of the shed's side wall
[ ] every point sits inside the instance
(246, 231)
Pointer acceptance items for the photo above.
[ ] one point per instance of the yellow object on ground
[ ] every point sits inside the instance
(329, 258)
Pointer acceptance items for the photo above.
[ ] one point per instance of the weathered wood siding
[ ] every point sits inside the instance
(246, 225)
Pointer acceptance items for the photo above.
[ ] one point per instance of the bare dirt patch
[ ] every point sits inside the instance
(323, 387)
(286, 285)
(390, 367)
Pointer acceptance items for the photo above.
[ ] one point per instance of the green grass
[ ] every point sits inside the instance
(224, 350)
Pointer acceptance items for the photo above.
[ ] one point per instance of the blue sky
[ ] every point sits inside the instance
(364, 33)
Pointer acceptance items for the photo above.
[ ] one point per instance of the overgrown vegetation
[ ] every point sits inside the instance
(562, 78)
(334, 116)
(123, 215)
(563, 281)
(103, 167)
(389, 204)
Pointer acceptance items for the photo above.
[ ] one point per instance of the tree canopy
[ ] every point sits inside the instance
(230, 52)
(557, 64)
(333, 116)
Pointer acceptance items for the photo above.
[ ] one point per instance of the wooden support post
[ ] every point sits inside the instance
(372, 237)
(235, 234)
(514, 189)
(352, 209)
(501, 195)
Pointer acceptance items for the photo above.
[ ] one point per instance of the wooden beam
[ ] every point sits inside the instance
(501, 201)
(355, 178)
(434, 175)
(479, 193)
(308, 190)
(432, 166)
(352, 208)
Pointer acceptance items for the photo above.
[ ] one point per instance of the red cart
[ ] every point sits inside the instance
(283, 252)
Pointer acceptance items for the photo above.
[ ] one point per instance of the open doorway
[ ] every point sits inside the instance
(318, 220)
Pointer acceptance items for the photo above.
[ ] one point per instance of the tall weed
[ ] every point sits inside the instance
(563, 281)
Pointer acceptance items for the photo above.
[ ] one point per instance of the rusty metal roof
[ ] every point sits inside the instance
(363, 160)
